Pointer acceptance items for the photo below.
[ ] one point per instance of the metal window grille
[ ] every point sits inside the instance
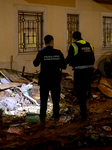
(107, 32)
(30, 31)
(72, 25)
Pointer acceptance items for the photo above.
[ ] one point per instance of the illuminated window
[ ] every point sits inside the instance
(72, 25)
(30, 31)
(107, 32)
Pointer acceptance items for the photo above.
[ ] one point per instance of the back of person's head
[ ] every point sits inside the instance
(77, 35)
(48, 39)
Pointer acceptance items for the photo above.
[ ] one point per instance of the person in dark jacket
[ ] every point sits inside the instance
(52, 62)
(81, 58)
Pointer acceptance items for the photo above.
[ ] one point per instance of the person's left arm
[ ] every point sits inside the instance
(63, 63)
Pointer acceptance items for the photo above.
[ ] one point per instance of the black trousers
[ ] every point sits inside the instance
(82, 86)
(54, 87)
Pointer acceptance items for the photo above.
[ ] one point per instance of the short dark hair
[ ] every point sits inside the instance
(48, 38)
(77, 35)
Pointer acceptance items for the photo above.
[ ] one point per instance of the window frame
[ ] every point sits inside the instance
(104, 49)
(71, 11)
(17, 8)
(31, 23)
(77, 16)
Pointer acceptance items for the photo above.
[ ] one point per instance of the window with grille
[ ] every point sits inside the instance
(30, 31)
(107, 32)
(72, 25)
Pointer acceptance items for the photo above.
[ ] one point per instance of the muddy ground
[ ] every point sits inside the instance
(71, 132)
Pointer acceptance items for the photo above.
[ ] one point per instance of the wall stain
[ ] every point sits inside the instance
(66, 3)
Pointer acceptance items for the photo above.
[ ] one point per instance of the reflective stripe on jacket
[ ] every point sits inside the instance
(76, 47)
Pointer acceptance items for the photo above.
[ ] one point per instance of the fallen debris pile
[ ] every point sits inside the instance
(20, 107)
(14, 96)
(20, 94)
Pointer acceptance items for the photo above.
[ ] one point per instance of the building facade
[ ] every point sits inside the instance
(24, 23)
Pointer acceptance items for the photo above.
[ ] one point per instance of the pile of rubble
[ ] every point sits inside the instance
(20, 107)
(16, 98)
(20, 94)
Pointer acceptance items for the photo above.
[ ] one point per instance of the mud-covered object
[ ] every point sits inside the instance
(108, 65)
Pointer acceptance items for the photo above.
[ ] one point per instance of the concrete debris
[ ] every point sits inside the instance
(15, 130)
(23, 96)
(64, 119)
(106, 128)
(20, 105)
(19, 96)
(14, 96)
(94, 96)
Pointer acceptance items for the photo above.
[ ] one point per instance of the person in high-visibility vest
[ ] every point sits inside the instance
(81, 58)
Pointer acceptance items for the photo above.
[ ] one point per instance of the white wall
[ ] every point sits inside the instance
(55, 23)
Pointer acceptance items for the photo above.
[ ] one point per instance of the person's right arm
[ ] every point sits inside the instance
(37, 60)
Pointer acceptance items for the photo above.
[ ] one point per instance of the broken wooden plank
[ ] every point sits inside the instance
(20, 81)
(9, 85)
(4, 75)
(12, 75)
